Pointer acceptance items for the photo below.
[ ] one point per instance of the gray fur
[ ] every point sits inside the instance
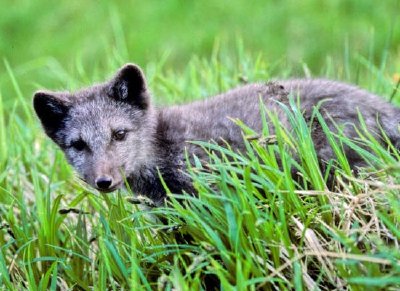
(157, 137)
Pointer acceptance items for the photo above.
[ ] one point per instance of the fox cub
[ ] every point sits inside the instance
(111, 133)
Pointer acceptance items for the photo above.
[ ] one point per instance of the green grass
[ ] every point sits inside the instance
(82, 39)
(252, 226)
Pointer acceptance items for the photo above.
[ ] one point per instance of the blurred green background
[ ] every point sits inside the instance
(41, 39)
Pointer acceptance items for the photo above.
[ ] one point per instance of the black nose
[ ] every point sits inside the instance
(104, 182)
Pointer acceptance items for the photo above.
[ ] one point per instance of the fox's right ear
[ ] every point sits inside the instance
(51, 111)
(129, 85)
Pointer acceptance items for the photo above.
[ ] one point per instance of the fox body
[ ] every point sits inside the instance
(111, 132)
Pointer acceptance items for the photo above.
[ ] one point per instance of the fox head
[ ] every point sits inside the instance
(104, 130)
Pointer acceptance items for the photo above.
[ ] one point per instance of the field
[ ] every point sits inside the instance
(252, 227)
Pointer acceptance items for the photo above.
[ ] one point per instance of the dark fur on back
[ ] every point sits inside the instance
(111, 131)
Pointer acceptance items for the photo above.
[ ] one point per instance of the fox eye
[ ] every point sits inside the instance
(79, 145)
(119, 135)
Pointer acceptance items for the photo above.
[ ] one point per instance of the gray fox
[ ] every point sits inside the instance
(111, 132)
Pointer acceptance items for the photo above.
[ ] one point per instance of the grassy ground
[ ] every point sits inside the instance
(252, 226)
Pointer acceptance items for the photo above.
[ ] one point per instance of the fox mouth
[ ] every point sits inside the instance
(111, 189)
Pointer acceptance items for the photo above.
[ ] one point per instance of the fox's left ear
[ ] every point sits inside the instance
(129, 85)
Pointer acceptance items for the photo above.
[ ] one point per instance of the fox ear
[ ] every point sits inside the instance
(129, 85)
(51, 111)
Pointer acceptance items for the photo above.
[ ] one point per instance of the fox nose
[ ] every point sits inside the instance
(103, 182)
